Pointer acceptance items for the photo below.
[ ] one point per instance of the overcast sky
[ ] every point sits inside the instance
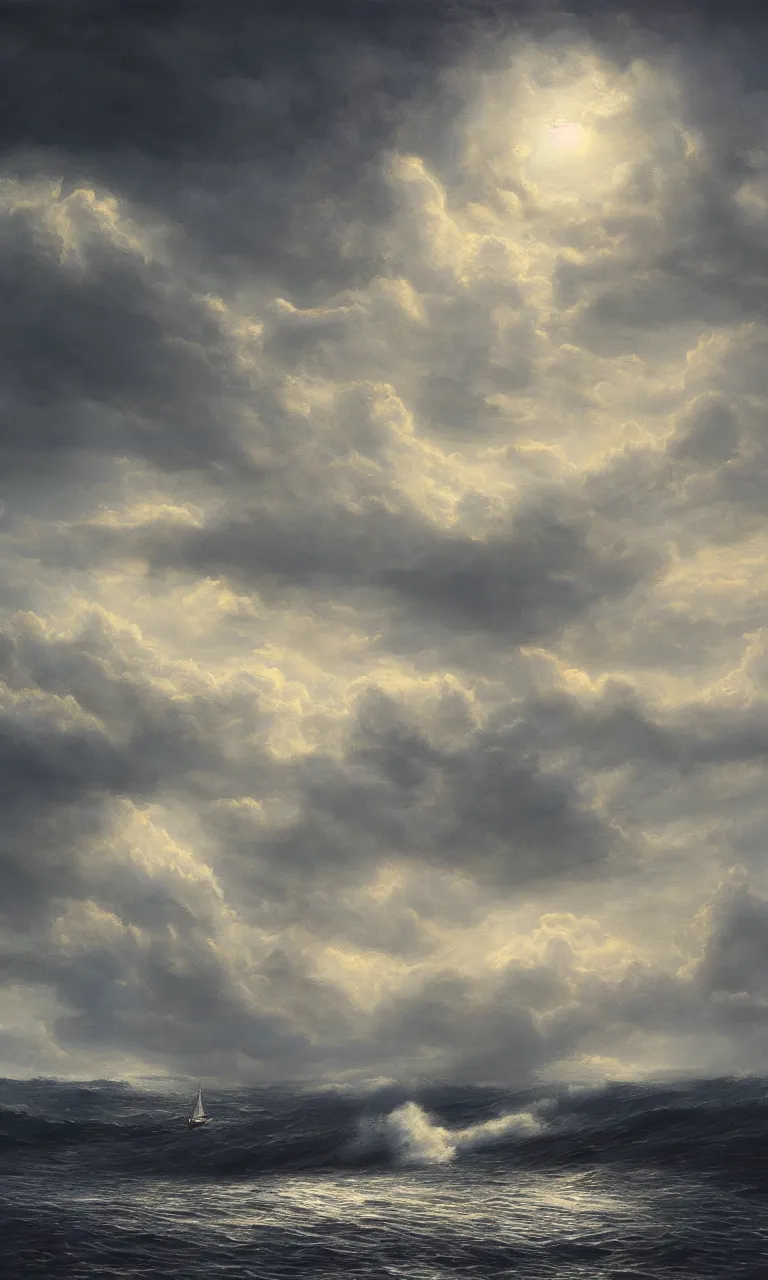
(384, 484)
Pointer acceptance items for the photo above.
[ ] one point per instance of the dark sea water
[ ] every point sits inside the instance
(104, 1180)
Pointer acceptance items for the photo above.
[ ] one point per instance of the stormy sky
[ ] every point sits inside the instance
(383, 540)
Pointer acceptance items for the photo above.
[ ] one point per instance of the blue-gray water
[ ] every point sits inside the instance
(105, 1181)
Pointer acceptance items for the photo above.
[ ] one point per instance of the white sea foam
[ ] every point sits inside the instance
(412, 1137)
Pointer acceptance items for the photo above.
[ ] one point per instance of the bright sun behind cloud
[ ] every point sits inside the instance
(561, 122)
(567, 136)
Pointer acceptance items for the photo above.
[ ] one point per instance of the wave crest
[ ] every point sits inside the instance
(410, 1136)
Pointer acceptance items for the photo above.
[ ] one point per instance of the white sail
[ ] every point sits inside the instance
(199, 1113)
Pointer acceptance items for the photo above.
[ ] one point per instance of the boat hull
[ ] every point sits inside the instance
(197, 1124)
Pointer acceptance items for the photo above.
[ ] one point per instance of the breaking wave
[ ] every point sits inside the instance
(106, 1128)
(410, 1136)
(105, 1180)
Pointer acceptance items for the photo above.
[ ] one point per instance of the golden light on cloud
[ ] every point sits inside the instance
(559, 121)
(408, 579)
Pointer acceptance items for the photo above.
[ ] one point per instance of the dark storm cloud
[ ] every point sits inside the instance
(524, 1016)
(735, 959)
(485, 808)
(182, 179)
(256, 134)
(228, 120)
(57, 778)
(711, 264)
(547, 565)
(705, 484)
(615, 727)
(259, 131)
(102, 352)
(490, 806)
(166, 737)
(493, 1026)
(53, 781)
(117, 993)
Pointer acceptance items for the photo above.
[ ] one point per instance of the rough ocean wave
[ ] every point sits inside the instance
(409, 1136)
(104, 1180)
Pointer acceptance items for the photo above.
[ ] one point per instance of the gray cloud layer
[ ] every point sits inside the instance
(382, 542)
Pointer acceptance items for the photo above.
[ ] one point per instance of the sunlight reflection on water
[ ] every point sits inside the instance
(532, 1206)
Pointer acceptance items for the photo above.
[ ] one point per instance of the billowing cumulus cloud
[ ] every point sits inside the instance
(383, 483)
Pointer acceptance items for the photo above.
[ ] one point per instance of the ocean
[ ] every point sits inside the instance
(627, 1182)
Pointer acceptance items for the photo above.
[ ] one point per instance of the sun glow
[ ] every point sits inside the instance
(567, 136)
(562, 156)
(562, 124)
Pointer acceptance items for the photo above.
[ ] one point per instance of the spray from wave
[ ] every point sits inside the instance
(409, 1136)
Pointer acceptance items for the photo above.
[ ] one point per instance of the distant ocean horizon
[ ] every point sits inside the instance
(636, 1181)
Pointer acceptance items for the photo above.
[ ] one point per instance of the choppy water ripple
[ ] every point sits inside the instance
(618, 1184)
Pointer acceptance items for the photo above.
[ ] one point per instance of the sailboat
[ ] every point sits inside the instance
(198, 1116)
